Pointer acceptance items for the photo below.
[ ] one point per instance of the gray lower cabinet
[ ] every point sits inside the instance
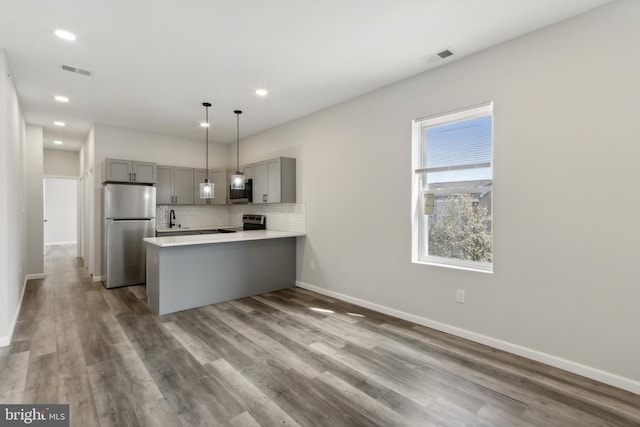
(174, 186)
(183, 277)
(274, 181)
(219, 180)
(118, 170)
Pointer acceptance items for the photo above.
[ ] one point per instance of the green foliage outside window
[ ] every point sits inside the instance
(461, 230)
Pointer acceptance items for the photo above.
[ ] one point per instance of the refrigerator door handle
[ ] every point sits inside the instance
(130, 219)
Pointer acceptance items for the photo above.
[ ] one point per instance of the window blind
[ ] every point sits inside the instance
(457, 146)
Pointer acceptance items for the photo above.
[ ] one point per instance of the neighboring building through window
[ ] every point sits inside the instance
(452, 189)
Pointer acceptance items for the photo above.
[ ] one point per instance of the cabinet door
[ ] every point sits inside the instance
(219, 179)
(287, 180)
(273, 181)
(183, 186)
(260, 183)
(144, 172)
(164, 192)
(116, 170)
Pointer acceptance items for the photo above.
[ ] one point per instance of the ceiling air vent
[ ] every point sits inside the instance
(439, 56)
(76, 70)
(445, 54)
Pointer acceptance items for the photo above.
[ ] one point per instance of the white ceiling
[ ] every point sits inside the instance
(155, 62)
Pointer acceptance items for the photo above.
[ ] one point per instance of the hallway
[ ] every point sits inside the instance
(60, 325)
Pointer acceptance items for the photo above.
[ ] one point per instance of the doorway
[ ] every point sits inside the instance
(60, 211)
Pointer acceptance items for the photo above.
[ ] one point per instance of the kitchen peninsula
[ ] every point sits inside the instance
(191, 271)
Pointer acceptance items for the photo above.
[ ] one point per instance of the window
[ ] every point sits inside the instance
(452, 189)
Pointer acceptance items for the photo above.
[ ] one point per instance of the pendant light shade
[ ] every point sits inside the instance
(237, 179)
(206, 187)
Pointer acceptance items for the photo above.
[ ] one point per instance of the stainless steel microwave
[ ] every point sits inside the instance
(242, 196)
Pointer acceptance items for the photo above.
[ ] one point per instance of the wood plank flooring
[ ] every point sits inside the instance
(290, 357)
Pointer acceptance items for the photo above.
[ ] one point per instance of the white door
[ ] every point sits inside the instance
(61, 211)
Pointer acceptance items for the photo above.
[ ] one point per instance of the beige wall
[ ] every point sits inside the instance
(62, 163)
(34, 201)
(565, 283)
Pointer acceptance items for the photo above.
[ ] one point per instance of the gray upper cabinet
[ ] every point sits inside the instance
(183, 185)
(164, 190)
(175, 186)
(117, 170)
(144, 172)
(219, 180)
(274, 181)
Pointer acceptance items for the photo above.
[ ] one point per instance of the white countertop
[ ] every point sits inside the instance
(205, 239)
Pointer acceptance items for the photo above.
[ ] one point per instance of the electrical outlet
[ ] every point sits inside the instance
(460, 296)
(312, 264)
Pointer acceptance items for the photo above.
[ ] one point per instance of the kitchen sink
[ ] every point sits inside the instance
(225, 230)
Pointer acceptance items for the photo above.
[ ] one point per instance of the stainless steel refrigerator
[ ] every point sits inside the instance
(129, 217)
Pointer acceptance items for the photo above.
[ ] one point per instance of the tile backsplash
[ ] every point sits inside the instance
(193, 215)
(283, 217)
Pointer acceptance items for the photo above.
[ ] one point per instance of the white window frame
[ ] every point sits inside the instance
(417, 205)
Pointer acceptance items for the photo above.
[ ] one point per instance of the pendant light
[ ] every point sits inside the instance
(237, 179)
(206, 187)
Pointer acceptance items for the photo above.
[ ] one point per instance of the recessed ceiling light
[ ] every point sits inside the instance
(57, 142)
(65, 35)
(61, 124)
(204, 125)
(262, 92)
(61, 98)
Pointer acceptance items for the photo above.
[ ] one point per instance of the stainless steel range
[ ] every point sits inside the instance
(249, 222)
(254, 222)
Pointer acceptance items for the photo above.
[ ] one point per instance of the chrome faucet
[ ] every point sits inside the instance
(172, 218)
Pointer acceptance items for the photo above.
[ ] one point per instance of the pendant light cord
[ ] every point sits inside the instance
(238, 112)
(206, 106)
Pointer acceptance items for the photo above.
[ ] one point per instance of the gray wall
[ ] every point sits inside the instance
(12, 203)
(565, 283)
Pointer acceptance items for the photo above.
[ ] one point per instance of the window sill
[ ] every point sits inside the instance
(457, 266)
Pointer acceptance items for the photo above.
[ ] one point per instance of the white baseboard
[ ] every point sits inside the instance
(6, 340)
(34, 276)
(99, 278)
(564, 364)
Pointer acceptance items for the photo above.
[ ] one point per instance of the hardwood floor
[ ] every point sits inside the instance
(291, 357)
